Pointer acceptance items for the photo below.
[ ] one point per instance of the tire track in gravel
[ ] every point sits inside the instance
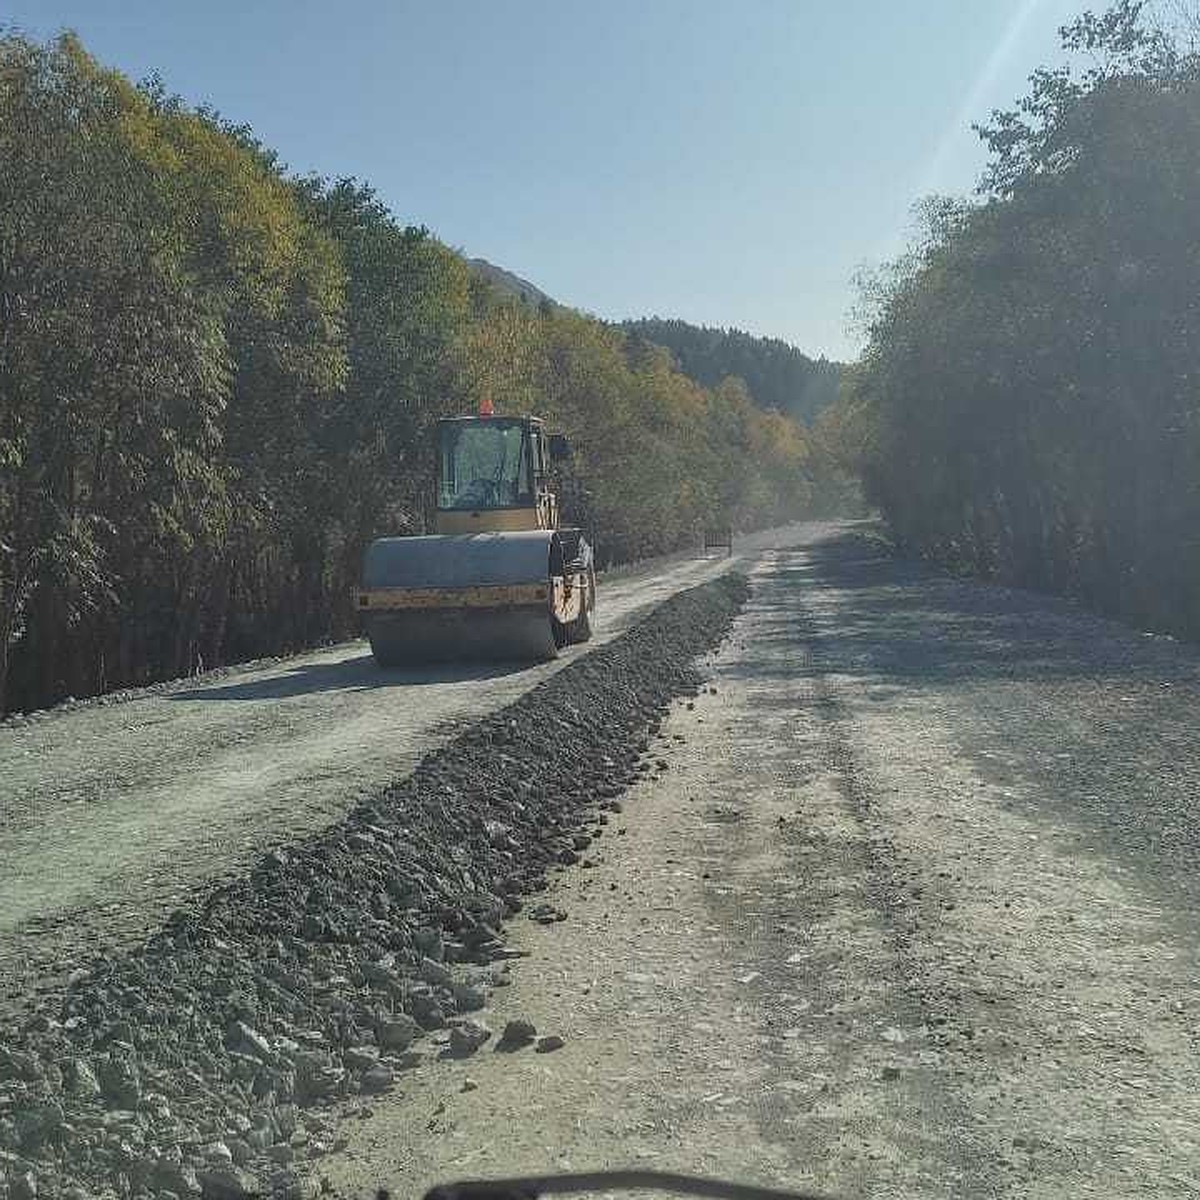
(1044, 918)
(867, 934)
(726, 980)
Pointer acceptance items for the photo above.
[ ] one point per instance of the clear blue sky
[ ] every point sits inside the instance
(731, 162)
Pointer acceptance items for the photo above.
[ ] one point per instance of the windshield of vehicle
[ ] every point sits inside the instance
(484, 465)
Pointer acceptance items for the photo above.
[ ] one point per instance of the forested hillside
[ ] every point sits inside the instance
(777, 374)
(217, 382)
(1027, 406)
(508, 284)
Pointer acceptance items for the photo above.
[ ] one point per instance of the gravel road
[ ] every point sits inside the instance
(206, 1058)
(113, 814)
(906, 906)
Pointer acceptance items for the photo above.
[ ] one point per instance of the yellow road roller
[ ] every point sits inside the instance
(499, 579)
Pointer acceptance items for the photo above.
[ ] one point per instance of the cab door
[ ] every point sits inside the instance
(547, 504)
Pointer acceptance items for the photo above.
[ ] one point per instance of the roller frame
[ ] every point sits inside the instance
(471, 596)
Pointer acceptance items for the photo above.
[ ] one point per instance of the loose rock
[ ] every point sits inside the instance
(361, 1058)
(267, 992)
(469, 997)
(436, 973)
(227, 1183)
(396, 1033)
(23, 1186)
(378, 1079)
(517, 1033)
(466, 1038)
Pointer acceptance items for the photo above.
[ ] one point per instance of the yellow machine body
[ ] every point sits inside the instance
(501, 520)
(499, 579)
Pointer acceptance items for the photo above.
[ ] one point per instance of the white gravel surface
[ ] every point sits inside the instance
(879, 928)
(113, 814)
(905, 907)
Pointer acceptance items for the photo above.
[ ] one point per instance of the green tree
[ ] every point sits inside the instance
(112, 368)
(218, 382)
(1025, 406)
(408, 305)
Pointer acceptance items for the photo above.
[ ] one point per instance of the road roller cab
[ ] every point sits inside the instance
(494, 475)
(499, 579)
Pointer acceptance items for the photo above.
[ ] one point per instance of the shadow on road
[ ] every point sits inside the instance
(866, 612)
(1072, 716)
(351, 674)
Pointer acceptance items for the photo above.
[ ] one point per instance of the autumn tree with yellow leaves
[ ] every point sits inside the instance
(218, 382)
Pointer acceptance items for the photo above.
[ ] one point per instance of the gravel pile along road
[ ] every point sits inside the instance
(212, 1053)
(906, 907)
(113, 812)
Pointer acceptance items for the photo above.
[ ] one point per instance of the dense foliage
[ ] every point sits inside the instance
(777, 375)
(659, 454)
(217, 382)
(1027, 406)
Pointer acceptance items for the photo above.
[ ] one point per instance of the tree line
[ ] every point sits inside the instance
(218, 381)
(777, 374)
(1027, 405)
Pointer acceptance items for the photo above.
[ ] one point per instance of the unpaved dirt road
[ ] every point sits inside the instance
(908, 909)
(112, 815)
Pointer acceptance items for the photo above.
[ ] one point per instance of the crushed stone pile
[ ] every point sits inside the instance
(209, 1059)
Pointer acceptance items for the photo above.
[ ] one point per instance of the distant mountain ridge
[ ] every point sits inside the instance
(777, 374)
(510, 284)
